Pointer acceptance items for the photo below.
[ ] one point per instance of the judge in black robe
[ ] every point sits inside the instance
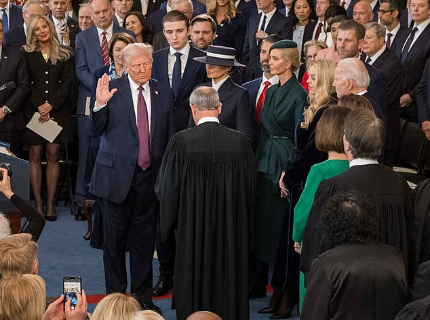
(206, 187)
(359, 278)
(386, 189)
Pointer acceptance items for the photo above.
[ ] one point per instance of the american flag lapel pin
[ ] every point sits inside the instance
(156, 92)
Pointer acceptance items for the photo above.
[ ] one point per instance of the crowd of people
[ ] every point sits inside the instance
(235, 138)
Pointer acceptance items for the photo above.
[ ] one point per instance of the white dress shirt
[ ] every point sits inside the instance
(362, 162)
(420, 30)
(361, 93)
(120, 21)
(269, 16)
(208, 119)
(373, 4)
(109, 33)
(393, 32)
(273, 80)
(218, 85)
(171, 59)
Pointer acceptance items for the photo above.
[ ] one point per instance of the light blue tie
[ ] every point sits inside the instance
(5, 21)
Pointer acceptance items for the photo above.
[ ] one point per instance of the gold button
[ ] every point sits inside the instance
(46, 72)
(46, 91)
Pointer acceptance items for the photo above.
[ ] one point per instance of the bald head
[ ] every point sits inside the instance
(203, 315)
(362, 12)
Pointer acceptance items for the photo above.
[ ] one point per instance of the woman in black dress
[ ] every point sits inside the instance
(231, 25)
(51, 71)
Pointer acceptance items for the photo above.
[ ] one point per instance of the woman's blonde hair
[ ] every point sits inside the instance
(116, 306)
(57, 51)
(146, 315)
(231, 12)
(323, 89)
(22, 297)
(292, 55)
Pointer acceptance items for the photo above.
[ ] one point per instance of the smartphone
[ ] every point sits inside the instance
(71, 285)
(63, 27)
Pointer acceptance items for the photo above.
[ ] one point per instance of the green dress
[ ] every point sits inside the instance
(318, 173)
(281, 113)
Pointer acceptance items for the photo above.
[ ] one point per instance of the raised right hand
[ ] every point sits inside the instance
(103, 95)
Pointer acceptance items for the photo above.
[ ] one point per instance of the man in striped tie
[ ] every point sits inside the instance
(90, 54)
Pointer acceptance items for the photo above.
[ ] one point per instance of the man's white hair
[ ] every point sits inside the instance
(353, 68)
(4, 226)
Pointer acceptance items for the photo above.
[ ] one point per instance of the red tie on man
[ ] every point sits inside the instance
(389, 35)
(260, 101)
(144, 158)
(319, 29)
(105, 53)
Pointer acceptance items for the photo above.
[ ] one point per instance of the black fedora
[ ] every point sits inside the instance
(220, 56)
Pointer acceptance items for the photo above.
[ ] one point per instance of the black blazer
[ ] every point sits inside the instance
(232, 34)
(399, 39)
(253, 87)
(235, 108)
(423, 89)
(248, 8)
(15, 37)
(413, 68)
(13, 67)
(155, 20)
(404, 18)
(279, 24)
(194, 74)
(377, 87)
(390, 65)
(15, 16)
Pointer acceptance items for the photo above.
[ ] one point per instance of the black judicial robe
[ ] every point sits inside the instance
(207, 189)
(388, 191)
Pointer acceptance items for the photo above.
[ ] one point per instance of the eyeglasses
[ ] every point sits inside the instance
(384, 11)
(311, 57)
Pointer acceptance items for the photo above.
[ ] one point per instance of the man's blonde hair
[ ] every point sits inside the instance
(116, 306)
(18, 253)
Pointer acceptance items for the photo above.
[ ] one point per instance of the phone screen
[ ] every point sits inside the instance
(71, 285)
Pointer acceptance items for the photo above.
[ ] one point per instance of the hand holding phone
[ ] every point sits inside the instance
(80, 310)
(72, 286)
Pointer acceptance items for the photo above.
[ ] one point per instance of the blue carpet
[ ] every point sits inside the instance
(64, 252)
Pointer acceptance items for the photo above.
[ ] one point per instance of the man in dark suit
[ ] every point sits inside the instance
(15, 38)
(388, 13)
(349, 43)
(134, 117)
(89, 58)
(375, 8)
(146, 6)
(405, 18)
(66, 27)
(248, 8)
(269, 21)
(388, 191)
(423, 102)
(199, 8)
(379, 56)
(155, 19)
(13, 67)
(122, 7)
(414, 54)
(203, 31)
(175, 67)
(10, 14)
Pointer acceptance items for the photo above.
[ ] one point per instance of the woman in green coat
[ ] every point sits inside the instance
(282, 111)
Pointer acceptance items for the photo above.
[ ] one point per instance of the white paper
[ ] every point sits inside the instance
(48, 130)
(87, 106)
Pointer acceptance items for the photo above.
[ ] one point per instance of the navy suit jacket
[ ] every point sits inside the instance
(88, 57)
(235, 108)
(349, 11)
(13, 67)
(15, 37)
(253, 87)
(155, 20)
(399, 39)
(194, 74)
(413, 68)
(378, 88)
(119, 142)
(404, 18)
(248, 8)
(390, 65)
(15, 16)
(423, 103)
(279, 24)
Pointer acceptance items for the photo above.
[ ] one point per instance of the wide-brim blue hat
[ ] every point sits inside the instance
(220, 56)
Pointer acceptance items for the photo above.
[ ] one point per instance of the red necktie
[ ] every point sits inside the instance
(318, 32)
(389, 35)
(261, 99)
(343, 4)
(105, 53)
(144, 158)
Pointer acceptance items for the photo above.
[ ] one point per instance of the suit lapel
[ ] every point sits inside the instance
(163, 66)
(155, 101)
(378, 62)
(272, 22)
(189, 68)
(126, 97)
(95, 42)
(421, 40)
(3, 63)
(225, 90)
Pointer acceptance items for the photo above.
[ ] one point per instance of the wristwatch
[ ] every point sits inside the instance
(6, 110)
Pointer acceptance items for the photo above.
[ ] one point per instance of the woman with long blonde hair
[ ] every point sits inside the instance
(51, 70)
(231, 25)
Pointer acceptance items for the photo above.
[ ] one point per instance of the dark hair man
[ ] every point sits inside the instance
(203, 31)
(389, 14)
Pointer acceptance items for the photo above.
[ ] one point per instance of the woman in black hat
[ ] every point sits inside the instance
(281, 114)
(236, 113)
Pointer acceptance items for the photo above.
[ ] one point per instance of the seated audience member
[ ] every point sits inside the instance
(310, 50)
(360, 278)
(331, 52)
(203, 31)
(355, 102)
(116, 306)
(18, 255)
(23, 297)
(146, 315)
(417, 310)
(136, 22)
(363, 140)
(204, 315)
(362, 12)
(329, 139)
(36, 222)
(351, 76)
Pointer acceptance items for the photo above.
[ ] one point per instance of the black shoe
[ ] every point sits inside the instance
(285, 315)
(268, 309)
(150, 306)
(80, 216)
(163, 286)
